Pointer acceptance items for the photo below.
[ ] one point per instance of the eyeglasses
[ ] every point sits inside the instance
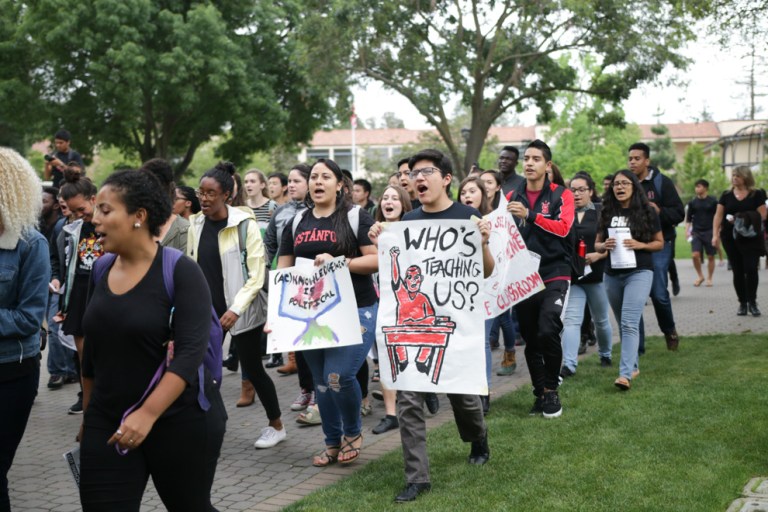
(621, 184)
(181, 198)
(425, 171)
(579, 190)
(203, 194)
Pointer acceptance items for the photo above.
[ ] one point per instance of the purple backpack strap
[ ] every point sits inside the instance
(171, 256)
(101, 265)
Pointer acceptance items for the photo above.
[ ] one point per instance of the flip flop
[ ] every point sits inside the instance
(698, 282)
(709, 284)
(327, 457)
(352, 450)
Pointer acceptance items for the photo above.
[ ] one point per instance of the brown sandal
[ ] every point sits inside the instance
(325, 459)
(348, 448)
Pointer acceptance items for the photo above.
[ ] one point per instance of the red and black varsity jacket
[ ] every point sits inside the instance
(546, 228)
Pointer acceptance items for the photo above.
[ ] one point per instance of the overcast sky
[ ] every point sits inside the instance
(712, 83)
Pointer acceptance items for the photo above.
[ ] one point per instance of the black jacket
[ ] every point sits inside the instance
(671, 209)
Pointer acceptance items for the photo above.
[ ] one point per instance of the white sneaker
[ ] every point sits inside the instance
(270, 437)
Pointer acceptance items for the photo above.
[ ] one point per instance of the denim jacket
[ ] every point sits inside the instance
(24, 275)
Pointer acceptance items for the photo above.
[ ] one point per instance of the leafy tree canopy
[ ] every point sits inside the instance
(588, 138)
(498, 55)
(160, 78)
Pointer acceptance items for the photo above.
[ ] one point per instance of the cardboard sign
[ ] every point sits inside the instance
(312, 307)
(430, 328)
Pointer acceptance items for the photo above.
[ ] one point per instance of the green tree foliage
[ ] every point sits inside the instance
(496, 56)
(160, 78)
(696, 165)
(583, 143)
(20, 107)
(662, 150)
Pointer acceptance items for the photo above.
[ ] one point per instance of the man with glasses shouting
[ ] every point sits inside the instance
(430, 173)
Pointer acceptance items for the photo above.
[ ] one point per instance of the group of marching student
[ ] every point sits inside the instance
(143, 314)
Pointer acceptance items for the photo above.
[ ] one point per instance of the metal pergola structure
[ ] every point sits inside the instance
(754, 138)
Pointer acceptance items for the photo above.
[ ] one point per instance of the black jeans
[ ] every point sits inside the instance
(16, 397)
(176, 453)
(250, 351)
(541, 326)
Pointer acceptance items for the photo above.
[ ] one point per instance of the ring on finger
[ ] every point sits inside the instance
(130, 441)
(119, 433)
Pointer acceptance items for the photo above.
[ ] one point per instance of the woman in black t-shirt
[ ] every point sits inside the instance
(81, 250)
(744, 201)
(324, 232)
(586, 290)
(168, 435)
(627, 216)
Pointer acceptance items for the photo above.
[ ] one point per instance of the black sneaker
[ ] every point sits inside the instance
(605, 361)
(433, 403)
(386, 424)
(742, 311)
(552, 407)
(566, 372)
(538, 406)
(480, 452)
(753, 309)
(55, 382)
(275, 361)
(77, 408)
(583, 346)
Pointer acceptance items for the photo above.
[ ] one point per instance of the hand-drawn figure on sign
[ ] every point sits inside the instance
(306, 300)
(417, 325)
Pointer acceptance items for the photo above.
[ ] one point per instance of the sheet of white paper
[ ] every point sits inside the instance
(621, 257)
(587, 271)
(72, 460)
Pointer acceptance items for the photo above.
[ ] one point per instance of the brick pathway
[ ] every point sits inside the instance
(248, 479)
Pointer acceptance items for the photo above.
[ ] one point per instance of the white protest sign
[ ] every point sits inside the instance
(312, 307)
(430, 330)
(515, 275)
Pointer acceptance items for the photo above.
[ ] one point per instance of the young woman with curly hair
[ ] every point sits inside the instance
(625, 205)
(24, 272)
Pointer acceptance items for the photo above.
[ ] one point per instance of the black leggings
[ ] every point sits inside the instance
(250, 351)
(305, 374)
(176, 453)
(745, 266)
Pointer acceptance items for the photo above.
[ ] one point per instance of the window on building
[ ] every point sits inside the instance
(343, 157)
(314, 154)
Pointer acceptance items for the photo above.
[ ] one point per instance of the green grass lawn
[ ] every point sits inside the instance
(687, 437)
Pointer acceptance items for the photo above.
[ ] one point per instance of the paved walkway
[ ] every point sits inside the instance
(248, 479)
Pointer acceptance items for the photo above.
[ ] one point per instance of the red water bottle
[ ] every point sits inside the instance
(582, 249)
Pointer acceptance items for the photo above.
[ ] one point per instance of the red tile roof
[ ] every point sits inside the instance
(677, 131)
(400, 136)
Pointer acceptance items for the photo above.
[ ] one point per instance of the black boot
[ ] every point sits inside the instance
(753, 309)
(742, 309)
(231, 363)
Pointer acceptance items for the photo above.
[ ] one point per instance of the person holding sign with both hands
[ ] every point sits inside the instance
(628, 282)
(323, 233)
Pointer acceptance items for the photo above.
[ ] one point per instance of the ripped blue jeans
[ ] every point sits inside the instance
(337, 391)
